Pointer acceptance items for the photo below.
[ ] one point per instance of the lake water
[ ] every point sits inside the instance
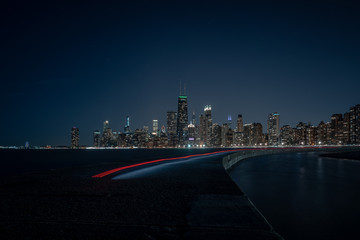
(304, 195)
(15, 162)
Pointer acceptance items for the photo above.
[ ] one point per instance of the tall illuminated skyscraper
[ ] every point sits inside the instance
(105, 126)
(182, 118)
(127, 125)
(207, 125)
(273, 128)
(155, 127)
(229, 120)
(74, 137)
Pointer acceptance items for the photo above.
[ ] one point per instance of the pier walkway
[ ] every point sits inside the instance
(185, 198)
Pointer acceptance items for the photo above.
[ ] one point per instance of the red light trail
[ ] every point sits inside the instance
(106, 173)
(103, 174)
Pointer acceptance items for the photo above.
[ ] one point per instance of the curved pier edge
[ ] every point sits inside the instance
(231, 160)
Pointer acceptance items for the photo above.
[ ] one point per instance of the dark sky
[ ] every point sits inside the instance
(78, 64)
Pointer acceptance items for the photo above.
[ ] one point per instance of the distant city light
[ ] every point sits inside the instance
(179, 132)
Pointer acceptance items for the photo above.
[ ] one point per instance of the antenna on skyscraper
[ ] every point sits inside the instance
(180, 88)
(184, 89)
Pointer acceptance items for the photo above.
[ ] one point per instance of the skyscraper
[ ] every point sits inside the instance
(171, 128)
(229, 120)
(273, 129)
(224, 130)
(155, 127)
(202, 129)
(253, 134)
(182, 118)
(191, 135)
(127, 125)
(300, 133)
(146, 129)
(240, 124)
(106, 135)
(216, 135)
(105, 126)
(107, 138)
(207, 125)
(27, 145)
(346, 128)
(258, 134)
(74, 137)
(355, 124)
(321, 134)
(171, 122)
(311, 133)
(336, 128)
(193, 120)
(96, 138)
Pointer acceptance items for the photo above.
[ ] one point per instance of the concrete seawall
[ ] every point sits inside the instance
(231, 160)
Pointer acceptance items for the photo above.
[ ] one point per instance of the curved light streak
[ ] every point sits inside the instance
(106, 173)
(103, 174)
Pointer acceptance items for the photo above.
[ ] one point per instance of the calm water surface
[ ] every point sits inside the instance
(303, 195)
(15, 162)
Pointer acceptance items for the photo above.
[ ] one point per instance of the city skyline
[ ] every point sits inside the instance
(342, 128)
(265, 124)
(78, 65)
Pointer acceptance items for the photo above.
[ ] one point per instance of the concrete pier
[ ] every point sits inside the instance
(187, 199)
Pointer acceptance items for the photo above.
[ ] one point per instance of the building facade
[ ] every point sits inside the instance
(207, 125)
(355, 124)
(171, 122)
(96, 138)
(240, 124)
(155, 127)
(253, 134)
(182, 118)
(273, 129)
(75, 137)
(127, 125)
(287, 135)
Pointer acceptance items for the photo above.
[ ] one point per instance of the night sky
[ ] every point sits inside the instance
(79, 64)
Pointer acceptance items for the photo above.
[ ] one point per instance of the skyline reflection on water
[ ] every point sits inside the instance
(303, 195)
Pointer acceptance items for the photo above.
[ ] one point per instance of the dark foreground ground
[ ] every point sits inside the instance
(351, 155)
(190, 200)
